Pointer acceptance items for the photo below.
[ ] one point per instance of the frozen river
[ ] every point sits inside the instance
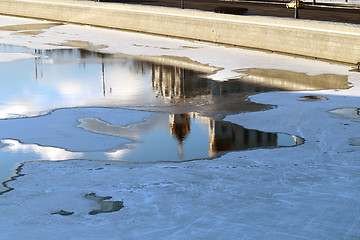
(166, 128)
(67, 95)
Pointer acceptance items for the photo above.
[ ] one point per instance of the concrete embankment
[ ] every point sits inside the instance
(327, 41)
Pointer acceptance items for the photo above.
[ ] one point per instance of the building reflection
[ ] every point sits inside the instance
(171, 82)
(226, 136)
(294, 81)
(186, 79)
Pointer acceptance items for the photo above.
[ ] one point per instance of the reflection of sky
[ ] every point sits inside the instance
(12, 152)
(11, 48)
(33, 85)
(58, 137)
(38, 152)
(159, 145)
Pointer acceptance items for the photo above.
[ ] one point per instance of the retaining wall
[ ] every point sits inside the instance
(336, 42)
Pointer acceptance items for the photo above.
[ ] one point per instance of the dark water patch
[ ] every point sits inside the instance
(105, 206)
(5, 188)
(312, 98)
(62, 213)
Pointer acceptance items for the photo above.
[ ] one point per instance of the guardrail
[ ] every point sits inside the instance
(335, 42)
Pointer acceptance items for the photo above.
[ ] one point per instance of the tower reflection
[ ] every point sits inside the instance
(180, 128)
(226, 136)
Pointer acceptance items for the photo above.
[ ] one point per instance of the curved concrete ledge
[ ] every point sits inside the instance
(327, 41)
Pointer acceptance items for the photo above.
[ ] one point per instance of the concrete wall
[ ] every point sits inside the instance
(320, 40)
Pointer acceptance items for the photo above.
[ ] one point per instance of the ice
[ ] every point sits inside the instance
(306, 192)
(59, 129)
(9, 57)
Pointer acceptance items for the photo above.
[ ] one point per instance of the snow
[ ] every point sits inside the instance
(9, 57)
(305, 192)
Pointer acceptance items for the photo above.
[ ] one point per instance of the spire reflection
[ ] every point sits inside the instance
(180, 128)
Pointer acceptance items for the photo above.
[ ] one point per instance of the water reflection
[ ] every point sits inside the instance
(225, 136)
(161, 134)
(171, 82)
(41, 152)
(70, 78)
(105, 134)
(295, 81)
(78, 78)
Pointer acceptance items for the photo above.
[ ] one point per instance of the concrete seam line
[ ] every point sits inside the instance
(197, 17)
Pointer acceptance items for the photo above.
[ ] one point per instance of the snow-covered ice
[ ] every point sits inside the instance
(310, 191)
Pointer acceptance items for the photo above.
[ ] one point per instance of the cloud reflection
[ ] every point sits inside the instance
(45, 153)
